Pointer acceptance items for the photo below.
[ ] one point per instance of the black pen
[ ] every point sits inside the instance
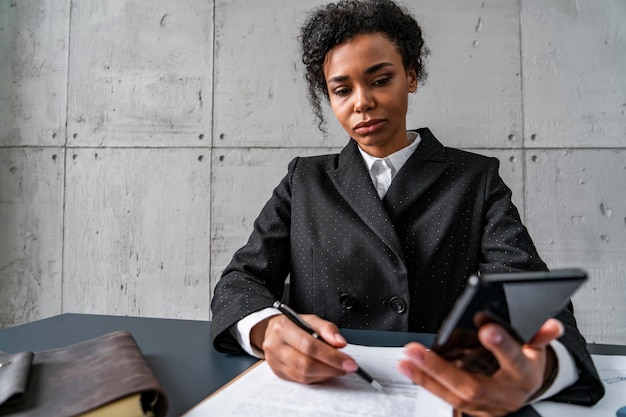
(294, 317)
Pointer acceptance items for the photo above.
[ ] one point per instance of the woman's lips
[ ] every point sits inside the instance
(369, 126)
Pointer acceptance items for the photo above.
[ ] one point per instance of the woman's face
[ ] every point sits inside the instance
(368, 88)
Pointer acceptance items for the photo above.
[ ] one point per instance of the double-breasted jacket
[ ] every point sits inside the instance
(393, 264)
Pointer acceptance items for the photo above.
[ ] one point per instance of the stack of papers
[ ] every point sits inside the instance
(259, 392)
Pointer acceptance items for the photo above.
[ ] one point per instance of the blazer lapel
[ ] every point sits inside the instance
(355, 186)
(417, 175)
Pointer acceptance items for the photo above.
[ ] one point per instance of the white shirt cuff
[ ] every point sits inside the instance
(241, 330)
(567, 373)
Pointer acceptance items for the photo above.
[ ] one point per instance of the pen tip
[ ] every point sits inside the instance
(377, 385)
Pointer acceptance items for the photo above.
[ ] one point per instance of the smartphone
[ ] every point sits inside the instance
(519, 301)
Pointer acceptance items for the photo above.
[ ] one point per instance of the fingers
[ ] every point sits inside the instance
(419, 365)
(471, 393)
(294, 354)
(508, 351)
(327, 330)
(552, 329)
(437, 375)
(520, 373)
(515, 357)
(522, 366)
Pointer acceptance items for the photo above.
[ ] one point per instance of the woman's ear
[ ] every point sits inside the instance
(412, 80)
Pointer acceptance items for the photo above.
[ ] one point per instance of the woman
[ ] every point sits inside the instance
(384, 235)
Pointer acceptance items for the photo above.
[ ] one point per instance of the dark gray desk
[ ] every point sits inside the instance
(180, 351)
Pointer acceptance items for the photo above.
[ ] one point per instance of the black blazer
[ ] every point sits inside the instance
(396, 264)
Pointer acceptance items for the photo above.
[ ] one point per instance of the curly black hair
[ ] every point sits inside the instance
(339, 22)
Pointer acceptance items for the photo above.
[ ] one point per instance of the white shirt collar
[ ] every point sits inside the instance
(397, 159)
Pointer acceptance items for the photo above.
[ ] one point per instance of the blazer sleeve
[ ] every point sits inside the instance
(255, 277)
(507, 246)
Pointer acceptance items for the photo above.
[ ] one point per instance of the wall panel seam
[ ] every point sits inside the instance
(64, 182)
(211, 150)
(522, 111)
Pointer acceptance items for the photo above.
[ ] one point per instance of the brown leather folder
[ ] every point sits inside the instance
(108, 372)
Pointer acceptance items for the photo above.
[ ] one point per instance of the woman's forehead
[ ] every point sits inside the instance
(360, 53)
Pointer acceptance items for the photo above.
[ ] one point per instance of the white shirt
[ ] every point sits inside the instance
(382, 171)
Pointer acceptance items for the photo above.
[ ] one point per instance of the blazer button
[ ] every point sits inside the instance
(397, 304)
(346, 301)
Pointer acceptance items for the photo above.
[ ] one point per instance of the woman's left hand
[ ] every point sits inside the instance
(520, 375)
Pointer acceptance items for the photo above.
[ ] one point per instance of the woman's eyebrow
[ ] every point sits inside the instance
(370, 70)
(337, 79)
(376, 67)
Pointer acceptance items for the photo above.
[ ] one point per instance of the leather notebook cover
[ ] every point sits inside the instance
(73, 380)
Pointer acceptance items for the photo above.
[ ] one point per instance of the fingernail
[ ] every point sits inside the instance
(416, 356)
(349, 365)
(339, 338)
(495, 336)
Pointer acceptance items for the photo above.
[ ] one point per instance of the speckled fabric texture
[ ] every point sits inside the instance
(393, 264)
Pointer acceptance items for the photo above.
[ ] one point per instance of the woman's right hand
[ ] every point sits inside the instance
(295, 355)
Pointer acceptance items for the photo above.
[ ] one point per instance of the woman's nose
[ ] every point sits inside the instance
(363, 101)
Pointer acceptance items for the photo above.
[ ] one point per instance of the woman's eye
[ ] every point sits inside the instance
(341, 91)
(382, 81)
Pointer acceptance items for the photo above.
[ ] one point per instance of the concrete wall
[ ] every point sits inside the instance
(139, 140)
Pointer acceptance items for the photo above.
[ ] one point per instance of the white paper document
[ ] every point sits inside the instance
(612, 370)
(261, 393)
